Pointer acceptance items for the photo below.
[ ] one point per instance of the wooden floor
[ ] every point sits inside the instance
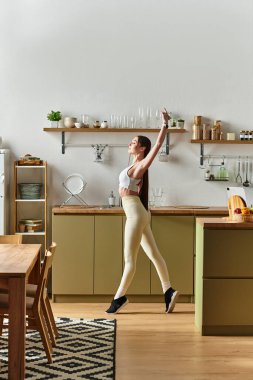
(152, 345)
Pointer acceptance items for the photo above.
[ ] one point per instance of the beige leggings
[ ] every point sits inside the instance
(138, 232)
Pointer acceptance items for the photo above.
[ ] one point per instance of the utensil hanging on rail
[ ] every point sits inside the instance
(238, 178)
(246, 183)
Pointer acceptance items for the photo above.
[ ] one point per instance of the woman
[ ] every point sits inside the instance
(133, 189)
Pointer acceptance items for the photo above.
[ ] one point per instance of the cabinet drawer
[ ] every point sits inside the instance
(227, 302)
(228, 253)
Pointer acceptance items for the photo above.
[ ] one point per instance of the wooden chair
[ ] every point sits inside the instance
(31, 292)
(35, 307)
(11, 239)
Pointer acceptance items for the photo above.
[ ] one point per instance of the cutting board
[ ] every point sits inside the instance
(234, 202)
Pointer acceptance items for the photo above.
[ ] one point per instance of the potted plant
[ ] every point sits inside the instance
(54, 117)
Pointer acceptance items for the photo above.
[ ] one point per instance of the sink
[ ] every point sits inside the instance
(102, 207)
(192, 207)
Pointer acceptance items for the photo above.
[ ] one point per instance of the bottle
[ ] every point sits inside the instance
(223, 174)
(196, 128)
(111, 199)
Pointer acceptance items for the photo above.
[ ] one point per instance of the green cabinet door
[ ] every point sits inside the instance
(141, 281)
(174, 236)
(72, 271)
(107, 254)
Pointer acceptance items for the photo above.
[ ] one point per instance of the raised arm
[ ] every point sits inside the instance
(147, 161)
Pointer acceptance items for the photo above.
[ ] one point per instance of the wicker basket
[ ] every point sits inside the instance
(30, 162)
(243, 218)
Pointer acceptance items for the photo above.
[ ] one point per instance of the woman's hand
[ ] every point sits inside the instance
(165, 117)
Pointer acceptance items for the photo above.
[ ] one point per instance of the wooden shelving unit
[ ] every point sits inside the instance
(37, 207)
(108, 130)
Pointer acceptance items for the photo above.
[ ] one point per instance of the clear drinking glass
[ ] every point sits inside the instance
(157, 193)
(124, 121)
(158, 118)
(140, 117)
(148, 117)
(112, 121)
(132, 121)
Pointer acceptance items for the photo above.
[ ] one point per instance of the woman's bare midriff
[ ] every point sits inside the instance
(123, 192)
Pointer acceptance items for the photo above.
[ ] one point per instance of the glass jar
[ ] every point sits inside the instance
(196, 128)
(213, 133)
(206, 132)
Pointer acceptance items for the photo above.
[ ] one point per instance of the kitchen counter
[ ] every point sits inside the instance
(223, 223)
(165, 210)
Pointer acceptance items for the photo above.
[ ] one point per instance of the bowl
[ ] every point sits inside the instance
(69, 122)
(78, 125)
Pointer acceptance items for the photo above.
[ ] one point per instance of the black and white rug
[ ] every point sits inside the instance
(85, 350)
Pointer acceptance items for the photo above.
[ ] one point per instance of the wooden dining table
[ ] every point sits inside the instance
(18, 264)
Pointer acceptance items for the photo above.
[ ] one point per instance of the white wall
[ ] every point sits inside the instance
(110, 56)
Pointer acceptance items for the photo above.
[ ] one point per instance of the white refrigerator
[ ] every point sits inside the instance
(4, 191)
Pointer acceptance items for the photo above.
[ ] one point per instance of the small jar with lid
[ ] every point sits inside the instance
(242, 135)
(250, 136)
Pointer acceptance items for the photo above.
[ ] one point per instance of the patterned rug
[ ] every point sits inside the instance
(85, 350)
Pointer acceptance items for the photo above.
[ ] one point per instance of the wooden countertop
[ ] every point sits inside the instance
(165, 210)
(223, 223)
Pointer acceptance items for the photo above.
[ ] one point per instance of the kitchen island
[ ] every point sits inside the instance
(89, 261)
(224, 277)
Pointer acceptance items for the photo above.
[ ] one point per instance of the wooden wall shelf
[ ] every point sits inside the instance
(87, 130)
(106, 130)
(222, 142)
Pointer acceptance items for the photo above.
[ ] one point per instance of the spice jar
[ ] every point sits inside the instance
(242, 135)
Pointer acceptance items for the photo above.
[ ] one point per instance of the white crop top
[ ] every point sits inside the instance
(127, 182)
